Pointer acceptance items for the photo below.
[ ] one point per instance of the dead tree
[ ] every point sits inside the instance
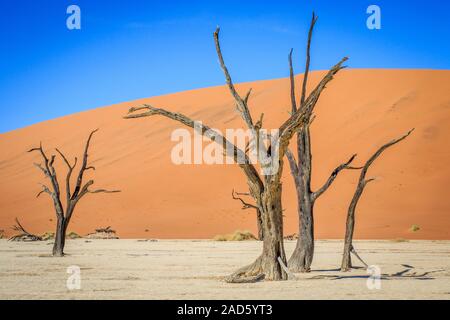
(265, 189)
(64, 215)
(105, 230)
(350, 224)
(301, 170)
(23, 235)
(245, 206)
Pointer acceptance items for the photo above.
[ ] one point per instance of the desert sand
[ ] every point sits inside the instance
(186, 269)
(358, 112)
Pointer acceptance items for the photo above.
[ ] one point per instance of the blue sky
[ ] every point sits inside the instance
(132, 49)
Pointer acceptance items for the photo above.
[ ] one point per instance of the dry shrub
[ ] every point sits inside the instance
(73, 235)
(293, 236)
(236, 236)
(103, 233)
(400, 240)
(48, 236)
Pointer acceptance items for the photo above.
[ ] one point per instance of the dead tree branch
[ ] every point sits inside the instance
(292, 82)
(308, 59)
(245, 205)
(332, 177)
(23, 235)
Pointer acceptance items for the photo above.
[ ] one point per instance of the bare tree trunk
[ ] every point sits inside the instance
(259, 224)
(60, 238)
(273, 248)
(302, 256)
(346, 264)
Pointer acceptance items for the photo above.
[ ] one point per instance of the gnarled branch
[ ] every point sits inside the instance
(45, 189)
(292, 83)
(332, 177)
(84, 166)
(245, 205)
(49, 171)
(229, 148)
(69, 173)
(241, 104)
(308, 59)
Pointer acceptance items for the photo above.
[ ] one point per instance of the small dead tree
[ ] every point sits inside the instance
(245, 206)
(265, 189)
(105, 230)
(64, 215)
(350, 224)
(301, 170)
(23, 235)
(103, 233)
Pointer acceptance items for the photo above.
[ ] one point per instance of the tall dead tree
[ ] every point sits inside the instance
(301, 170)
(245, 206)
(64, 215)
(266, 188)
(350, 224)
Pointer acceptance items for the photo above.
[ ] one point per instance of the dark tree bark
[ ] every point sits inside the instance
(301, 170)
(63, 216)
(265, 189)
(245, 206)
(346, 264)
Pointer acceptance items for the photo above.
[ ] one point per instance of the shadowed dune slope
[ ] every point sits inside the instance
(358, 112)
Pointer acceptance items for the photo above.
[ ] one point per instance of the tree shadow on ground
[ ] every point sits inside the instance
(400, 275)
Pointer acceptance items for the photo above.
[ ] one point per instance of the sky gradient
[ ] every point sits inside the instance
(133, 49)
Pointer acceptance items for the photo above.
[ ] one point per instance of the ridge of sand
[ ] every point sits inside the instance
(360, 110)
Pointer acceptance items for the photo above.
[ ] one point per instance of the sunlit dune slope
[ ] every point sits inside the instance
(358, 112)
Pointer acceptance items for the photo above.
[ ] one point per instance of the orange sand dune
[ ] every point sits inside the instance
(358, 112)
